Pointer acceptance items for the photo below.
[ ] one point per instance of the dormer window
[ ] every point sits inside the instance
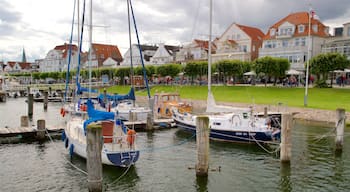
(272, 32)
(301, 28)
(315, 28)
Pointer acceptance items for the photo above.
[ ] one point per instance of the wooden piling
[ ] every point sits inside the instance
(132, 116)
(24, 121)
(202, 137)
(94, 160)
(105, 97)
(30, 105)
(286, 138)
(339, 125)
(40, 134)
(150, 116)
(265, 112)
(45, 100)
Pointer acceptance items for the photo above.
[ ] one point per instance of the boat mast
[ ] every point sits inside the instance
(130, 48)
(209, 45)
(90, 52)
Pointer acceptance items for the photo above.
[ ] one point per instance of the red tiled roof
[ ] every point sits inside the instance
(254, 33)
(298, 19)
(65, 49)
(105, 51)
(24, 65)
(204, 44)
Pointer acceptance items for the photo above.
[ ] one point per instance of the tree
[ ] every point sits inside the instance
(271, 67)
(324, 63)
(193, 69)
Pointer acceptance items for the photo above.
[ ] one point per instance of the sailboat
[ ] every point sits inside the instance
(227, 123)
(119, 142)
(128, 109)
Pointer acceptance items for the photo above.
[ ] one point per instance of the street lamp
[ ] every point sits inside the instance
(308, 61)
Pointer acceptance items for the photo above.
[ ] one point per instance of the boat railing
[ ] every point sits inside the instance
(125, 142)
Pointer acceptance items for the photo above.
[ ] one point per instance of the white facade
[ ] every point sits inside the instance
(109, 62)
(191, 51)
(234, 43)
(161, 56)
(147, 53)
(56, 62)
(340, 42)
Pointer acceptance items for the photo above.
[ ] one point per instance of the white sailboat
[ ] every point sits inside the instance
(119, 147)
(228, 123)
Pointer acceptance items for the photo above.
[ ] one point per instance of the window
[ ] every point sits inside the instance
(297, 42)
(301, 28)
(238, 36)
(315, 28)
(348, 32)
(272, 32)
(302, 41)
(284, 43)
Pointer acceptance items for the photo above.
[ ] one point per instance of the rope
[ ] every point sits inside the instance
(122, 175)
(77, 168)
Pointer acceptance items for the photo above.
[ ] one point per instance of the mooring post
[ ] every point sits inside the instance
(94, 160)
(132, 116)
(46, 95)
(24, 121)
(286, 140)
(339, 125)
(150, 116)
(105, 97)
(265, 112)
(40, 133)
(30, 106)
(202, 137)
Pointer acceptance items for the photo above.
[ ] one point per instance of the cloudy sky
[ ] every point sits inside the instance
(39, 25)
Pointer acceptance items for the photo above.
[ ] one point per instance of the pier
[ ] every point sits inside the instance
(22, 134)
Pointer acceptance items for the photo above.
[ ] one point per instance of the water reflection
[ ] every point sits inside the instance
(202, 183)
(285, 180)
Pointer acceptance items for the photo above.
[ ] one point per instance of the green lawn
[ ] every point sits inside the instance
(326, 98)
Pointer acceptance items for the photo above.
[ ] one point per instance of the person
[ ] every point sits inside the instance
(343, 80)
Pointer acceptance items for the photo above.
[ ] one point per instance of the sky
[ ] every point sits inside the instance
(39, 25)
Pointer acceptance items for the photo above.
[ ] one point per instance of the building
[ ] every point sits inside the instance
(288, 38)
(17, 67)
(197, 50)
(238, 42)
(164, 54)
(56, 60)
(147, 53)
(339, 42)
(104, 55)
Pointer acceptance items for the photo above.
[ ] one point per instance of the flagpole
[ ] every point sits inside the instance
(308, 61)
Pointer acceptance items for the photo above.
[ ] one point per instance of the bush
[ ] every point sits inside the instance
(321, 84)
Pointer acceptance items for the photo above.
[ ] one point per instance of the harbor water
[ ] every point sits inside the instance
(167, 159)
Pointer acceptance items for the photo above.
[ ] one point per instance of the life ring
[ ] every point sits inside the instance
(131, 137)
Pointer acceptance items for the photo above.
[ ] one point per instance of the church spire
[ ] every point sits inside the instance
(24, 59)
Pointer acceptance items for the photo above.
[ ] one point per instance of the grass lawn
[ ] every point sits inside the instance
(326, 98)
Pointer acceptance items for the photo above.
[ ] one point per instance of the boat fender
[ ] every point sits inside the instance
(131, 137)
(71, 151)
(158, 110)
(66, 142)
(63, 136)
(167, 111)
(63, 112)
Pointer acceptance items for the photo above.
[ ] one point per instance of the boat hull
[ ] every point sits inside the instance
(230, 136)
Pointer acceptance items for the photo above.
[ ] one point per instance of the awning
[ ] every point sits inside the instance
(250, 73)
(294, 72)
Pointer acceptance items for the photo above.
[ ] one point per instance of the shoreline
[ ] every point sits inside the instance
(309, 116)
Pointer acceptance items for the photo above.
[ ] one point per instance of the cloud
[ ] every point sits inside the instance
(40, 25)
